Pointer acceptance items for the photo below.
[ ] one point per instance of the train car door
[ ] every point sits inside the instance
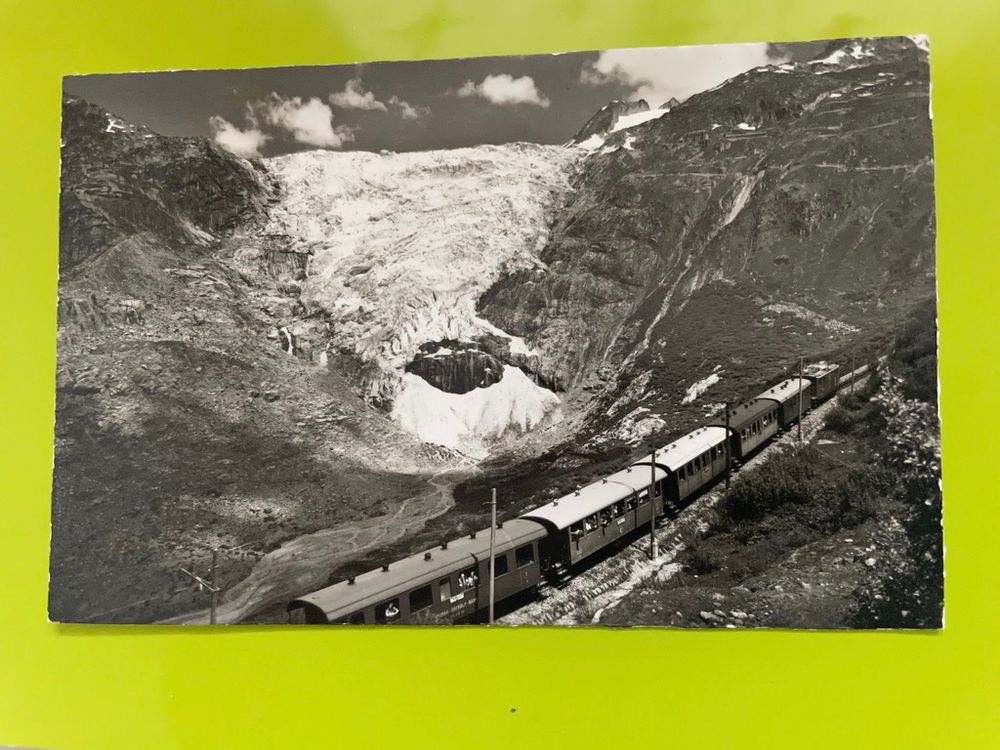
(526, 565)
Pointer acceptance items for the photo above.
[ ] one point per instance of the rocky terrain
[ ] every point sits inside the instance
(184, 422)
(252, 353)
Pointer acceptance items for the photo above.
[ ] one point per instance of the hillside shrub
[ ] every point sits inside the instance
(840, 419)
(788, 479)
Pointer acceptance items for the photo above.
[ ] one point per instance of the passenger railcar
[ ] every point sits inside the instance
(793, 397)
(595, 516)
(752, 424)
(691, 462)
(447, 584)
(824, 378)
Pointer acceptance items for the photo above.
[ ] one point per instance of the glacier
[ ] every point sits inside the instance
(400, 248)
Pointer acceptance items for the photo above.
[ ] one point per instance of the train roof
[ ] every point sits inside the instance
(684, 448)
(376, 586)
(745, 413)
(819, 369)
(787, 389)
(586, 501)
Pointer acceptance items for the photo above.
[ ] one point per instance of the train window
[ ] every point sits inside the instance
(444, 589)
(500, 567)
(643, 498)
(590, 523)
(468, 579)
(630, 503)
(525, 555)
(576, 530)
(714, 453)
(387, 612)
(421, 598)
(619, 509)
(358, 618)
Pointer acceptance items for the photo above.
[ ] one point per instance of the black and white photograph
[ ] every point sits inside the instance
(633, 337)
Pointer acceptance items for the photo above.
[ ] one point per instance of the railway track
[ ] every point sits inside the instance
(586, 596)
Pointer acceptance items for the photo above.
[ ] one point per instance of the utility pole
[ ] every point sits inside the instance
(210, 584)
(800, 403)
(729, 452)
(654, 551)
(493, 536)
(215, 586)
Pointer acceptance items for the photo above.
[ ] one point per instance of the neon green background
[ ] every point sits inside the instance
(152, 687)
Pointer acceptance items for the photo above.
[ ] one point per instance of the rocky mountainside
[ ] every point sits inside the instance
(792, 202)
(182, 421)
(120, 180)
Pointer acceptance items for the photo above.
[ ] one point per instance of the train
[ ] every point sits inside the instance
(449, 584)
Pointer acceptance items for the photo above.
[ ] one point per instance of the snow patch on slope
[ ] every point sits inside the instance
(637, 425)
(740, 201)
(699, 387)
(624, 122)
(637, 118)
(469, 422)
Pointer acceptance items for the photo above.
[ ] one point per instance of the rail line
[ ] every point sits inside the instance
(586, 596)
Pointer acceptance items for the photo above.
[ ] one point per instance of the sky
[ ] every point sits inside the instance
(416, 105)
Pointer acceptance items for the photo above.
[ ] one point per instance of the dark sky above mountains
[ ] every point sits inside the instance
(406, 106)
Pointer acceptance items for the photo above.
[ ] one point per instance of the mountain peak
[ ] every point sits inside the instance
(608, 116)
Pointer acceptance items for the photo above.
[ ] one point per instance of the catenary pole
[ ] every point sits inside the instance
(654, 551)
(215, 587)
(493, 536)
(800, 403)
(729, 450)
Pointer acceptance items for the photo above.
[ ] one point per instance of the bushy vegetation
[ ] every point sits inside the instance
(797, 498)
(910, 451)
(802, 496)
(914, 356)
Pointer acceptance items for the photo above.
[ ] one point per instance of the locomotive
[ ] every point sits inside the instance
(449, 584)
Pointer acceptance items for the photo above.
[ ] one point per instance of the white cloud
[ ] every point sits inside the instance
(505, 89)
(658, 73)
(309, 121)
(246, 143)
(409, 111)
(354, 96)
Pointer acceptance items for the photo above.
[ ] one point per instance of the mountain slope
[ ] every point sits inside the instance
(809, 191)
(182, 423)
